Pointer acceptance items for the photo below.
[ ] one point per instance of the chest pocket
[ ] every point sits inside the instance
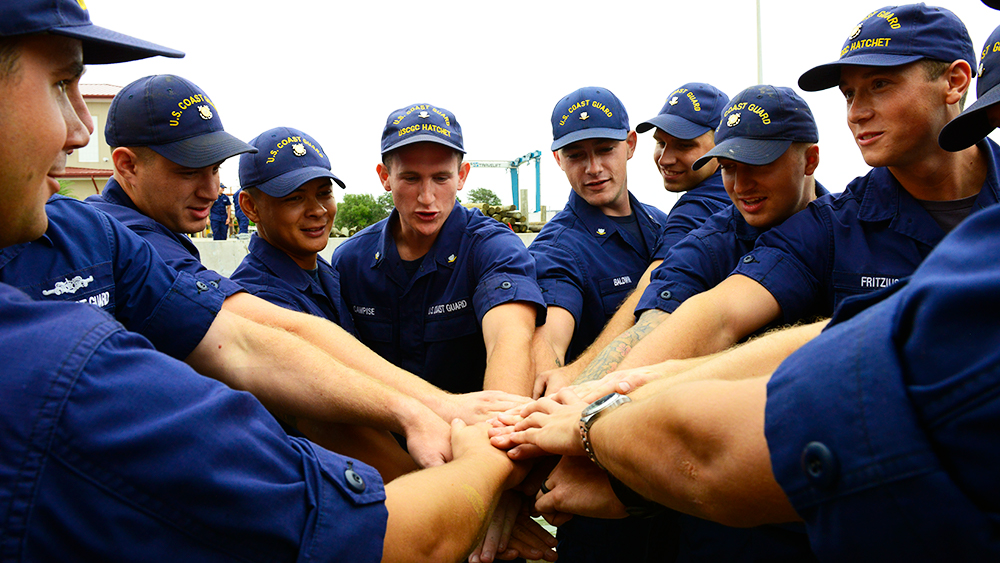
(94, 285)
(450, 321)
(371, 324)
(615, 289)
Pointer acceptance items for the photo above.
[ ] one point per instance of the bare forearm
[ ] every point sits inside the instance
(508, 330)
(756, 358)
(623, 319)
(544, 353)
(510, 367)
(337, 343)
(458, 497)
(295, 378)
(702, 450)
(613, 355)
(374, 447)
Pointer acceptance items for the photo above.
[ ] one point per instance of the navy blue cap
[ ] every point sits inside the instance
(172, 117)
(897, 35)
(71, 18)
(973, 124)
(286, 159)
(588, 113)
(421, 122)
(691, 111)
(760, 124)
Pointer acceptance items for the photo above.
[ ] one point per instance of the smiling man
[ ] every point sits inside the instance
(883, 225)
(289, 196)
(438, 289)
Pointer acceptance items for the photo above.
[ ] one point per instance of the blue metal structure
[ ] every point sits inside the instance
(513, 166)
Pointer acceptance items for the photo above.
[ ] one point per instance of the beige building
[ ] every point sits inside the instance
(88, 168)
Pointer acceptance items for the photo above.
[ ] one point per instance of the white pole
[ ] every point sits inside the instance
(760, 57)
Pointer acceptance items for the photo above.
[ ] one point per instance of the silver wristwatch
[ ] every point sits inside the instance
(590, 414)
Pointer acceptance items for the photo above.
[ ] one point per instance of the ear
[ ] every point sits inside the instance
(555, 154)
(126, 163)
(383, 176)
(812, 159)
(249, 207)
(463, 173)
(959, 77)
(631, 141)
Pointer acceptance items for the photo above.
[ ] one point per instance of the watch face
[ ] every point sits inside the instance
(599, 403)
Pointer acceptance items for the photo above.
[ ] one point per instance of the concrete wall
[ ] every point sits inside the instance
(224, 256)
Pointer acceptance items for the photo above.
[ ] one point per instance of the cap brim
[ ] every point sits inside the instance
(290, 181)
(103, 46)
(971, 126)
(828, 75)
(203, 150)
(756, 152)
(592, 133)
(424, 139)
(673, 125)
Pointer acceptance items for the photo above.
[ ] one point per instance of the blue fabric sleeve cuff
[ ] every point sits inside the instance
(505, 288)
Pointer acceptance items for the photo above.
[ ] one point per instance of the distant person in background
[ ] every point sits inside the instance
(221, 217)
(242, 223)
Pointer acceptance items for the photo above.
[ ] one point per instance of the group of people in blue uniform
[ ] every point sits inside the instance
(768, 372)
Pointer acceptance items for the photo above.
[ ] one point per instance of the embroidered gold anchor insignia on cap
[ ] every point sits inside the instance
(298, 149)
(584, 116)
(205, 112)
(673, 101)
(423, 115)
(734, 120)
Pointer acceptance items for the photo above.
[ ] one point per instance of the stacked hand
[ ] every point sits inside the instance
(551, 426)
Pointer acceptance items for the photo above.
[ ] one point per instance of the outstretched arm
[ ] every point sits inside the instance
(549, 347)
(707, 323)
(620, 322)
(698, 448)
(349, 351)
(316, 386)
(507, 333)
(440, 514)
(612, 356)
(760, 356)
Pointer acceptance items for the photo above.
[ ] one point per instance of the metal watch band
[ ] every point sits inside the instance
(590, 414)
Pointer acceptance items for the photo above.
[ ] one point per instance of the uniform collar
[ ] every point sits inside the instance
(884, 197)
(710, 186)
(443, 252)
(601, 227)
(280, 263)
(115, 195)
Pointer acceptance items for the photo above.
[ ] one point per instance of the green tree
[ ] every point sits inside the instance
(359, 210)
(385, 202)
(483, 195)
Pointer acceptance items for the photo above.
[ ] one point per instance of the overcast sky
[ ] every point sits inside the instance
(336, 69)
